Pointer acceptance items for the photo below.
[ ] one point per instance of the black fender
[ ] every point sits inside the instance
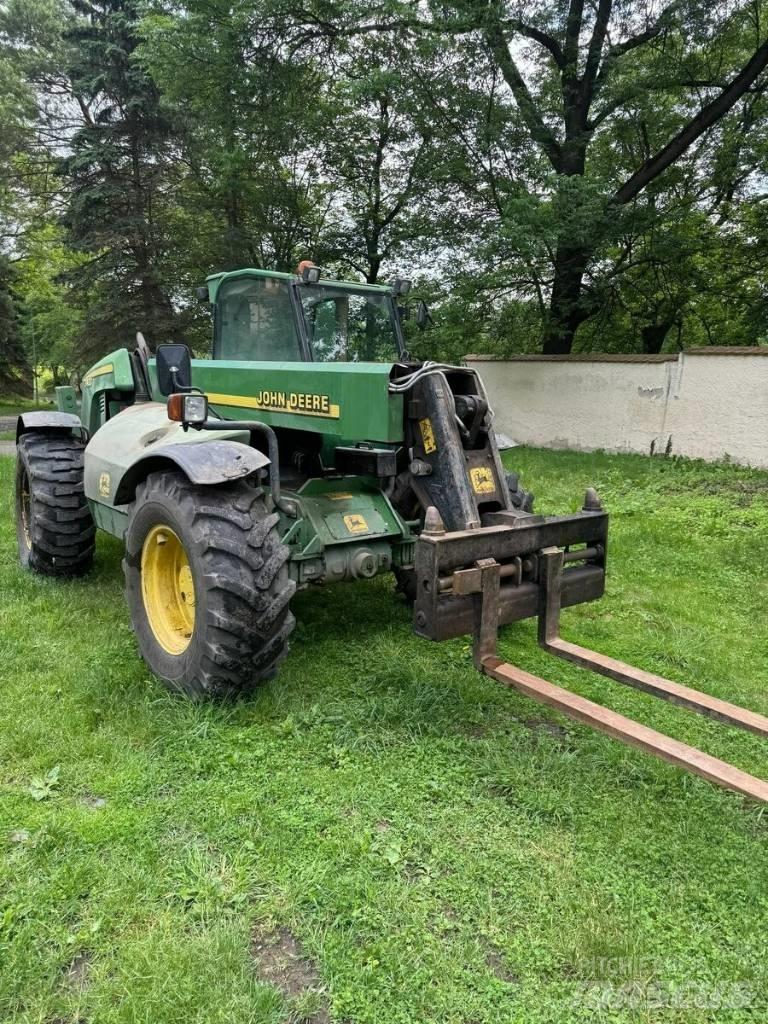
(207, 463)
(44, 420)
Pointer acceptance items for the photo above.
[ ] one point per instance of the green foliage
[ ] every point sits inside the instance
(484, 150)
(14, 368)
(117, 173)
(52, 320)
(245, 109)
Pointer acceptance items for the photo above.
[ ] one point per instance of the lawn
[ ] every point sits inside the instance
(382, 835)
(12, 407)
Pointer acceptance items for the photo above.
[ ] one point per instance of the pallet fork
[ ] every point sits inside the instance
(502, 588)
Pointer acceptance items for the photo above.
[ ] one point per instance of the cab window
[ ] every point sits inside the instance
(256, 321)
(348, 326)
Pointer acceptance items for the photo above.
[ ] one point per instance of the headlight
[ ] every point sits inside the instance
(188, 408)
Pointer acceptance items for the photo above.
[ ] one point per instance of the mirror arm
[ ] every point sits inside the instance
(181, 388)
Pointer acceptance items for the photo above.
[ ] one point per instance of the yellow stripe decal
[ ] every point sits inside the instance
(98, 372)
(293, 404)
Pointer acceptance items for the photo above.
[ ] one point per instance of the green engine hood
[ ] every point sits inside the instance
(346, 402)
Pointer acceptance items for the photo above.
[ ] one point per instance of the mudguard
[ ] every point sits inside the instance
(142, 440)
(45, 420)
(215, 462)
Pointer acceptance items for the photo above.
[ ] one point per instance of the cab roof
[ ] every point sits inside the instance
(215, 281)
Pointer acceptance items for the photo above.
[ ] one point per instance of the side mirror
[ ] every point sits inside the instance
(174, 368)
(423, 316)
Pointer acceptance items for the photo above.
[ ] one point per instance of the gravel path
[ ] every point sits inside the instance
(8, 448)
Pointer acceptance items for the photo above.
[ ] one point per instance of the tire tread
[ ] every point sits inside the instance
(243, 568)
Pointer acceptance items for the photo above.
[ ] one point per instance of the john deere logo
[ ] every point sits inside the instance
(356, 524)
(482, 480)
(299, 403)
(105, 484)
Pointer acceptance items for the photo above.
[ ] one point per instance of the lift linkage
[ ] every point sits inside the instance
(480, 593)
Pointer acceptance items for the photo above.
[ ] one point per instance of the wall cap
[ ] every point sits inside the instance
(620, 357)
(578, 357)
(727, 350)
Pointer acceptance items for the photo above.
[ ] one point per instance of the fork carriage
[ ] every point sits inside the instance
(473, 581)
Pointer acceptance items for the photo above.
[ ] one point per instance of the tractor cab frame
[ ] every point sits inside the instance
(266, 316)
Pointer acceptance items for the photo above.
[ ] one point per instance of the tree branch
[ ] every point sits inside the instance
(572, 32)
(707, 116)
(542, 38)
(535, 123)
(619, 49)
(597, 42)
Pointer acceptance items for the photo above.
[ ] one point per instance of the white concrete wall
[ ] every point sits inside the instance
(704, 403)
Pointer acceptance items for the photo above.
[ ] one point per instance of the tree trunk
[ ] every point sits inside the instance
(567, 308)
(654, 335)
(372, 276)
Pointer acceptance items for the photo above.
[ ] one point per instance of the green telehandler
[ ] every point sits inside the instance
(310, 449)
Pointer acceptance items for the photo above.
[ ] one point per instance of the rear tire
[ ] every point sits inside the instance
(225, 582)
(54, 528)
(405, 583)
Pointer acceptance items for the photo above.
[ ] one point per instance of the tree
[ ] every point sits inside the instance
(250, 119)
(378, 159)
(572, 71)
(15, 376)
(50, 323)
(119, 177)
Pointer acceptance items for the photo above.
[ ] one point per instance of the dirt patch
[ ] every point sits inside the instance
(475, 731)
(280, 961)
(92, 801)
(499, 966)
(543, 725)
(78, 973)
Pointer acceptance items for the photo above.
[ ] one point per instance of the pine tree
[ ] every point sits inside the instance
(118, 174)
(15, 375)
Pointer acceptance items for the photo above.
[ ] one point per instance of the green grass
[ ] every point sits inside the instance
(11, 407)
(14, 406)
(431, 847)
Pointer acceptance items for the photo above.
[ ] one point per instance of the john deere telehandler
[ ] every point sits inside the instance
(311, 449)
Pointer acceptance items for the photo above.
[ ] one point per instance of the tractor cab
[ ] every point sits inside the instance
(264, 316)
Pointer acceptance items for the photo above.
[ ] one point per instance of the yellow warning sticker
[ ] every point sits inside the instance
(339, 496)
(356, 524)
(105, 483)
(428, 436)
(482, 480)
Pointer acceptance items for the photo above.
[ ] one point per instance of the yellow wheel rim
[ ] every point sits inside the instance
(167, 589)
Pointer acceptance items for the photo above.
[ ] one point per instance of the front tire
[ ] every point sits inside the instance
(207, 585)
(54, 527)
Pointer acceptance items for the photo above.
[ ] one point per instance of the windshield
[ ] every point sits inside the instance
(256, 321)
(349, 326)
